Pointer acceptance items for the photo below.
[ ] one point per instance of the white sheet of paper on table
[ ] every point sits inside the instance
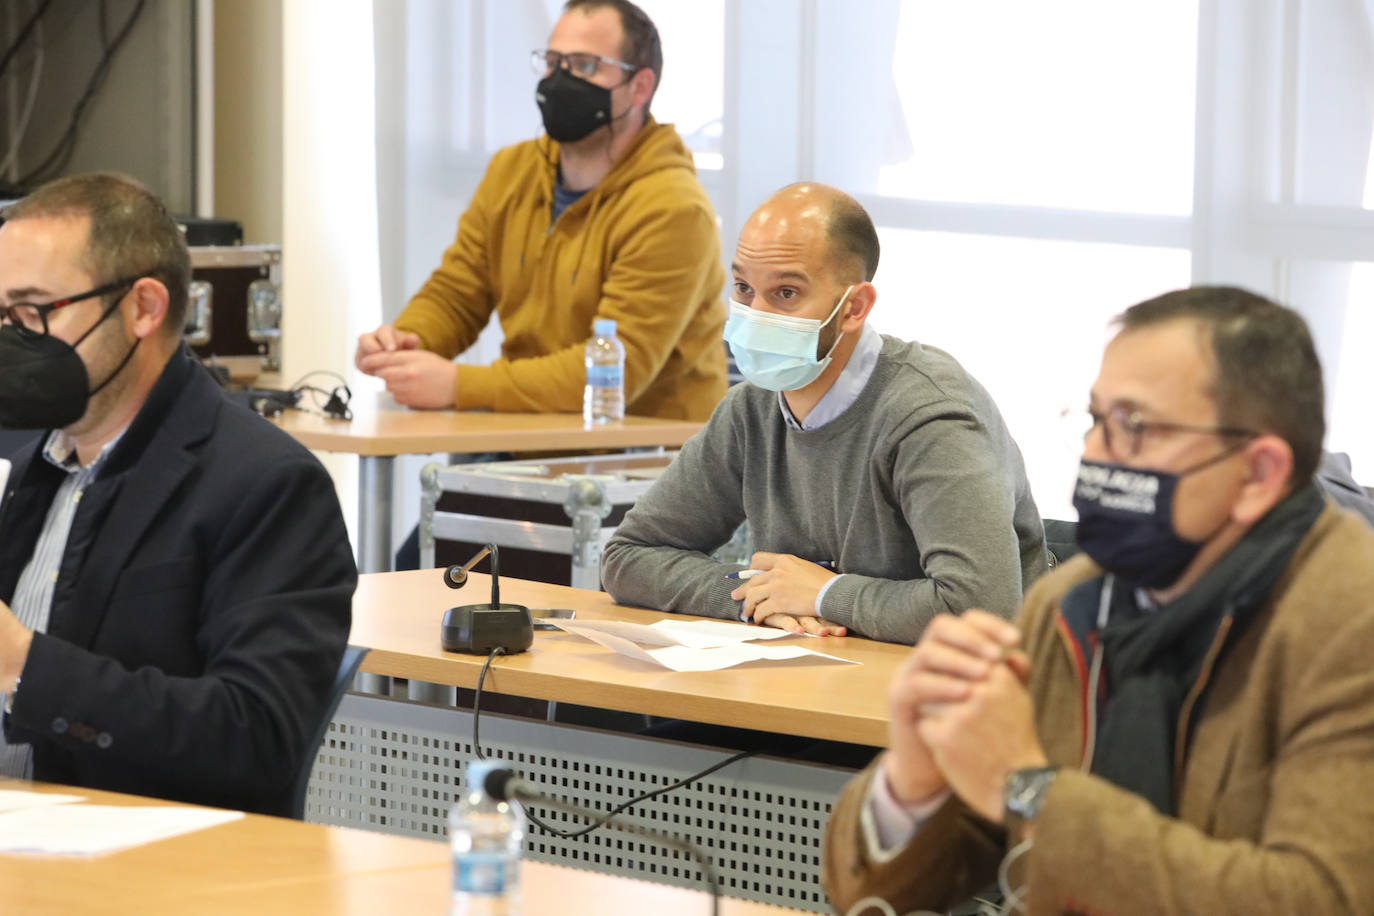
(694, 634)
(16, 800)
(88, 830)
(677, 657)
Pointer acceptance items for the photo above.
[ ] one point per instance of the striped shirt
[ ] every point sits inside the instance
(33, 595)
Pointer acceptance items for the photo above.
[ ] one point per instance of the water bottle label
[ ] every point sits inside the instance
(480, 873)
(603, 376)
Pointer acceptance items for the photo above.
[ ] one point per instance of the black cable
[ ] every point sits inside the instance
(61, 153)
(477, 703)
(707, 870)
(605, 820)
(334, 375)
(23, 36)
(623, 806)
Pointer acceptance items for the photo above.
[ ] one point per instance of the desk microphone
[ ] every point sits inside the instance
(505, 785)
(480, 628)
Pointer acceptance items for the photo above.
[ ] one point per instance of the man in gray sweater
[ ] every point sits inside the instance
(879, 481)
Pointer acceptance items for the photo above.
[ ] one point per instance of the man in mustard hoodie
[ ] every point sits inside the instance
(602, 218)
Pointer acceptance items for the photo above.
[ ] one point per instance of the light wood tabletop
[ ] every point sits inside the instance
(382, 428)
(268, 865)
(398, 616)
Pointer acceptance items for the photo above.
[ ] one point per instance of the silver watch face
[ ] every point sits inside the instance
(1025, 791)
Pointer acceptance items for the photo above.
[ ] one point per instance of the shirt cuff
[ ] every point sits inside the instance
(888, 825)
(820, 595)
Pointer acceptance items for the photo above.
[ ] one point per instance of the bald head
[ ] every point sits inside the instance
(850, 241)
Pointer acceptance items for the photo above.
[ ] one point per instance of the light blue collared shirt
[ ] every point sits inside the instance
(33, 595)
(841, 396)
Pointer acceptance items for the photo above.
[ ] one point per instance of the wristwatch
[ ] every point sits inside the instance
(1025, 790)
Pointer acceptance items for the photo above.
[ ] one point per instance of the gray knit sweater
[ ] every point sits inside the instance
(916, 492)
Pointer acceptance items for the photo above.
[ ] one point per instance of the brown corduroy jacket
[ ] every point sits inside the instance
(1275, 790)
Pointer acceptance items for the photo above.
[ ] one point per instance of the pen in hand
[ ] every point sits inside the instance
(750, 573)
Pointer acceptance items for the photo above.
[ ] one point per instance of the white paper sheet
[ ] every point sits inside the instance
(88, 830)
(671, 654)
(15, 800)
(695, 634)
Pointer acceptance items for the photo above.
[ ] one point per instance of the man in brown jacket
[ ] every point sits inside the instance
(1182, 720)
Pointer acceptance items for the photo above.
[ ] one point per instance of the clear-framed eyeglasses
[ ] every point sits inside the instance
(582, 64)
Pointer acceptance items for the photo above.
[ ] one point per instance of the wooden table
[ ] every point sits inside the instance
(391, 764)
(380, 430)
(397, 615)
(267, 865)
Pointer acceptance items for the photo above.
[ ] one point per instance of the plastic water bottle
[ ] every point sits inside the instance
(486, 836)
(603, 400)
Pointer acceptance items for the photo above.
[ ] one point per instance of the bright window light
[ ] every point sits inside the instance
(692, 94)
(1027, 318)
(1075, 104)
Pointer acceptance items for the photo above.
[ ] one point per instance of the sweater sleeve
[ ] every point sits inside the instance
(950, 479)
(659, 556)
(456, 302)
(654, 286)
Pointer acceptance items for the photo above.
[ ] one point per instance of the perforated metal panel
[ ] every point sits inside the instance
(398, 767)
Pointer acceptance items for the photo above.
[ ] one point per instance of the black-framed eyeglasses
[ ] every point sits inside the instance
(32, 319)
(580, 63)
(1124, 429)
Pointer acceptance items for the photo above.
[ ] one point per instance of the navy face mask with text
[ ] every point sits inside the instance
(1126, 524)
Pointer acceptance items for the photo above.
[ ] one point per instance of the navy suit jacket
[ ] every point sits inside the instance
(201, 610)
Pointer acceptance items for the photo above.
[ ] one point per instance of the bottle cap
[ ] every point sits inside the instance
(604, 327)
(477, 771)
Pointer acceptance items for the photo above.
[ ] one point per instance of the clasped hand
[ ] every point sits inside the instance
(15, 639)
(415, 377)
(783, 594)
(960, 716)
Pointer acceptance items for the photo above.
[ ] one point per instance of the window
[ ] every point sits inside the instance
(1073, 104)
(1027, 318)
(692, 93)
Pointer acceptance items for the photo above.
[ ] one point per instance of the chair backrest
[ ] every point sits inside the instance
(348, 667)
(1060, 539)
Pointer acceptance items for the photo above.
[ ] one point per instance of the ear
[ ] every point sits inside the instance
(1271, 469)
(642, 89)
(150, 299)
(857, 306)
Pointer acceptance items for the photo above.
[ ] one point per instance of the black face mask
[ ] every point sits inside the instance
(43, 382)
(572, 107)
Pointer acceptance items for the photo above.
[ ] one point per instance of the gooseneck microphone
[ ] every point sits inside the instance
(505, 785)
(456, 576)
(480, 628)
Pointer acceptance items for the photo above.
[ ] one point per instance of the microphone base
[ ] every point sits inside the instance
(479, 628)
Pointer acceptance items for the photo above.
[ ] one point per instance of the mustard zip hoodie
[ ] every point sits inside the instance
(641, 247)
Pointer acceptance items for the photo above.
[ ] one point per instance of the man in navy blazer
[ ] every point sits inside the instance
(175, 576)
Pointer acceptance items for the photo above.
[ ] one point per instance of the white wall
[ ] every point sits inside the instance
(331, 277)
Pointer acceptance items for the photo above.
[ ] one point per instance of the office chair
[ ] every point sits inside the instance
(1060, 539)
(348, 667)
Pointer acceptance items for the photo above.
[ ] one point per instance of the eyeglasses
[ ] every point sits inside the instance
(32, 319)
(1124, 429)
(580, 63)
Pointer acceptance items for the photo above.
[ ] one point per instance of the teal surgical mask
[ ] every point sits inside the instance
(778, 352)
